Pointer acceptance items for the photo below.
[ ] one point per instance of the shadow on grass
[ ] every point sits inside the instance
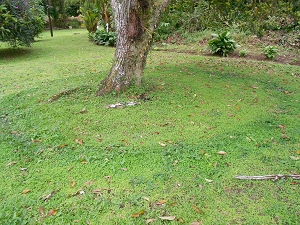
(10, 53)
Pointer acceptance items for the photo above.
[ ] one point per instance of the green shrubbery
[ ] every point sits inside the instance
(270, 52)
(20, 22)
(222, 44)
(255, 18)
(102, 37)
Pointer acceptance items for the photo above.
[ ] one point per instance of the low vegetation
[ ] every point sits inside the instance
(68, 157)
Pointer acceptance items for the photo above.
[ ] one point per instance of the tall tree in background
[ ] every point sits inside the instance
(136, 22)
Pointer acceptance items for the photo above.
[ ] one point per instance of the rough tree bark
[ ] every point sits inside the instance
(136, 22)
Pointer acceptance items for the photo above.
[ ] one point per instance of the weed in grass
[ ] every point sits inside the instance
(159, 157)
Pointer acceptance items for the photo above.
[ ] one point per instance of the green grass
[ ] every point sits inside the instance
(198, 106)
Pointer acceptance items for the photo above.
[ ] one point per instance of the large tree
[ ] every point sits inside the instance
(136, 22)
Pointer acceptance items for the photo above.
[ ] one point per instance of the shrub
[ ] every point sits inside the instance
(20, 22)
(270, 52)
(102, 37)
(90, 15)
(222, 44)
(243, 53)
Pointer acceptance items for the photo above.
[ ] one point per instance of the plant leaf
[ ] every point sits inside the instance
(136, 215)
(41, 209)
(195, 223)
(196, 209)
(162, 144)
(52, 212)
(72, 183)
(25, 191)
(161, 202)
(222, 153)
(208, 181)
(167, 218)
(150, 221)
(11, 163)
(79, 141)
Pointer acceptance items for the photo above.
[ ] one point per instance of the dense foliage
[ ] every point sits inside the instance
(102, 37)
(222, 44)
(249, 16)
(20, 21)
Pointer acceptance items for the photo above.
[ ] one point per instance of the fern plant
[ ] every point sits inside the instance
(222, 44)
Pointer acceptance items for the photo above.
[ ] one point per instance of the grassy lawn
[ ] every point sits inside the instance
(66, 158)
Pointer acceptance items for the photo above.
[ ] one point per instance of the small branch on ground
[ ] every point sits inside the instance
(275, 177)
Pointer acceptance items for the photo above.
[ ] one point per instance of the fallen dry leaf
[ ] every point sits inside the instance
(167, 217)
(83, 110)
(79, 141)
(62, 145)
(42, 212)
(294, 157)
(180, 220)
(195, 223)
(222, 153)
(162, 144)
(52, 212)
(72, 183)
(11, 163)
(150, 221)
(25, 191)
(97, 192)
(161, 202)
(146, 198)
(208, 181)
(89, 182)
(35, 140)
(124, 169)
(196, 209)
(136, 215)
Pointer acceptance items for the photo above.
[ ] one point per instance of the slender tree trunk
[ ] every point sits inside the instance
(136, 21)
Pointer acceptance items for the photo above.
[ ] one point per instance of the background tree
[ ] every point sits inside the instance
(20, 21)
(136, 22)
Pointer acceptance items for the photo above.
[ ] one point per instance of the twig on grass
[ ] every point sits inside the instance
(267, 177)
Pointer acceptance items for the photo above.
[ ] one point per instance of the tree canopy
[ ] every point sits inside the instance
(20, 21)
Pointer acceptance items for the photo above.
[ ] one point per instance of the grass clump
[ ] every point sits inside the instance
(155, 159)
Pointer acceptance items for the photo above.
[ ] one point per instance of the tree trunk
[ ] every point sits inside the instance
(136, 21)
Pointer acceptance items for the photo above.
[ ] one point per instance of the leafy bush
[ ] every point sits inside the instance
(222, 44)
(243, 53)
(270, 52)
(255, 18)
(162, 32)
(20, 22)
(102, 37)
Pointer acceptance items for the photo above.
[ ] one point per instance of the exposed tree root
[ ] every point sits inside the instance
(65, 93)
